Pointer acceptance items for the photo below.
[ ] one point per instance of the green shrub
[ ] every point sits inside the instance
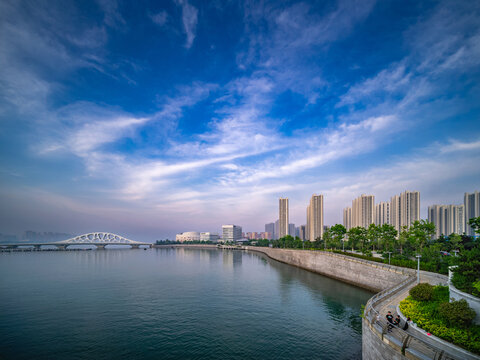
(426, 316)
(457, 313)
(422, 292)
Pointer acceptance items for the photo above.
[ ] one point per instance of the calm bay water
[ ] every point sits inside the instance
(172, 304)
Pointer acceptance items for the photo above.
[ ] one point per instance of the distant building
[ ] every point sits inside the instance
(231, 233)
(347, 218)
(270, 228)
(314, 227)
(207, 236)
(447, 219)
(291, 230)
(404, 209)
(472, 210)
(283, 217)
(382, 213)
(188, 236)
(266, 235)
(4, 238)
(276, 233)
(301, 232)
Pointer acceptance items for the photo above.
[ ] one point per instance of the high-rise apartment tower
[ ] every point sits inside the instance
(472, 210)
(283, 217)
(363, 211)
(314, 228)
(447, 219)
(382, 213)
(404, 209)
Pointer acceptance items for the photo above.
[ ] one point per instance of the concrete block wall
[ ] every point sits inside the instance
(366, 274)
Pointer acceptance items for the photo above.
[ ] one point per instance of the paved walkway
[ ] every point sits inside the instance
(391, 303)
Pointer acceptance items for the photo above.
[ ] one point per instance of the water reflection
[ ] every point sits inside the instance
(340, 300)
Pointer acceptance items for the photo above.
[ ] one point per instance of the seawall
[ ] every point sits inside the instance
(193, 246)
(363, 273)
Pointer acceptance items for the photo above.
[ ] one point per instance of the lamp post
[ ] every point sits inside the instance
(389, 252)
(418, 268)
(343, 242)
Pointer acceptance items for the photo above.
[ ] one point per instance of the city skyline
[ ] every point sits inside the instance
(151, 120)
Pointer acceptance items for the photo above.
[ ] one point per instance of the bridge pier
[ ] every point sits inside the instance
(135, 246)
(100, 246)
(61, 247)
(36, 247)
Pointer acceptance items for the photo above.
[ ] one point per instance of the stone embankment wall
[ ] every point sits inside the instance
(196, 246)
(373, 347)
(366, 274)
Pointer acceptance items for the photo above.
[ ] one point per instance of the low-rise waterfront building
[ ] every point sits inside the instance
(231, 233)
(188, 236)
(208, 236)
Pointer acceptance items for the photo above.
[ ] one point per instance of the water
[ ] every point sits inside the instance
(172, 304)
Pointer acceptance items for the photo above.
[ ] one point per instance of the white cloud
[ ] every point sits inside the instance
(189, 20)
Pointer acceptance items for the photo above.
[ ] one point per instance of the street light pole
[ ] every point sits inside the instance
(389, 252)
(418, 268)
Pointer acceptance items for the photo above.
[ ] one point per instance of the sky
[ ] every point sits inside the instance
(151, 118)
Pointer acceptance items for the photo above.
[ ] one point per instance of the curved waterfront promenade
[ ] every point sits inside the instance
(394, 284)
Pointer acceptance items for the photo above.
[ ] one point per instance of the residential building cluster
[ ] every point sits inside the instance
(402, 210)
(450, 219)
(313, 228)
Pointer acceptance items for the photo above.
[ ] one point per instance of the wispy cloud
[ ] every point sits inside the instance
(160, 18)
(189, 20)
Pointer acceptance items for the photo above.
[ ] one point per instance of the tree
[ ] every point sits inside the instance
(338, 232)
(357, 235)
(455, 241)
(421, 232)
(387, 235)
(475, 224)
(327, 237)
(372, 235)
(403, 238)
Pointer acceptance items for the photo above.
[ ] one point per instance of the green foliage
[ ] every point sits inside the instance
(357, 236)
(457, 313)
(420, 233)
(333, 237)
(467, 272)
(422, 292)
(426, 315)
(476, 285)
(475, 224)
(387, 236)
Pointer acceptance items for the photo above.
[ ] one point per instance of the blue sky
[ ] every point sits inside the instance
(152, 118)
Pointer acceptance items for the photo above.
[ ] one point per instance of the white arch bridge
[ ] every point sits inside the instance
(99, 239)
